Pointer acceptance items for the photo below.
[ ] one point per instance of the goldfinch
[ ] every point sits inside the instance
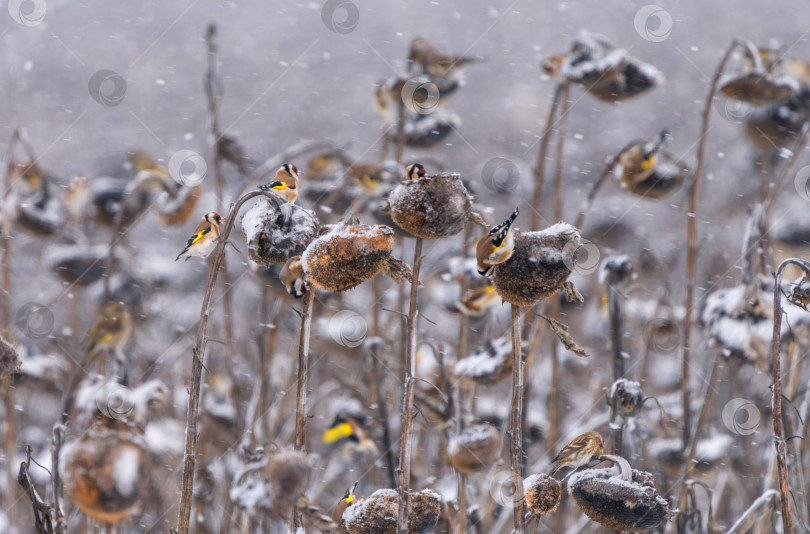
(204, 239)
(475, 302)
(345, 428)
(369, 176)
(285, 182)
(110, 333)
(580, 451)
(345, 502)
(414, 172)
(444, 70)
(292, 276)
(638, 161)
(496, 246)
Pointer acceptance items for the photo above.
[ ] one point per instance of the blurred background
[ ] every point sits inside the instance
(94, 82)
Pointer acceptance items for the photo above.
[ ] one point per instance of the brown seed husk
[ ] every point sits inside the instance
(9, 360)
(377, 514)
(539, 266)
(276, 231)
(432, 207)
(617, 504)
(474, 449)
(348, 255)
(91, 467)
(542, 494)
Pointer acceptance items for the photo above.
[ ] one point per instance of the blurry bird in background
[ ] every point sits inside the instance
(773, 60)
(292, 276)
(496, 246)
(353, 453)
(445, 70)
(579, 452)
(645, 169)
(476, 302)
(34, 199)
(110, 334)
(369, 176)
(347, 500)
(285, 183)
(77, 198)
(204, 239)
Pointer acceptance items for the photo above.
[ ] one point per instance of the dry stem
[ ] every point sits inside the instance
(515, 430)
(407, 402)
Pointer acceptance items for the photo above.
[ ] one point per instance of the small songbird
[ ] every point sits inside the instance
(77, 197)
(445, 70)
(414, 171)
(475, 302)
(285, 182)
(345, 502)
(369, 176)
(204, 239)
(110, 333)
(292, 276)
(496, 246)
(580, 451)
(346, 427)
(638, 161)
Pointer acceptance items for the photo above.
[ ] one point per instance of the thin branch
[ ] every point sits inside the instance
(515, 430)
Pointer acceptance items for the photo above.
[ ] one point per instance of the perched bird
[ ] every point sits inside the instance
(77, 197)
(292, 276)
(110, 334)
(445, 70)
(345, 502)
(645, 169)
(285, 182)
(475, 302)
(369, 176)
(204, 239)
(774, 60)
(414, 172)
(496, 246)
(580, 451)
(34, 199)
(346, 427)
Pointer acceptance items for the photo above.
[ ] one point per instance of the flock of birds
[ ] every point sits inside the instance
(642, 167)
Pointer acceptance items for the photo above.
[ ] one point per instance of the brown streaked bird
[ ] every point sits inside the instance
(496, 246)
(475, 302)
(292, 276)
(110, 333)
(285, 182)
(424, 58)
(202, 242)
(414, 171)
(77, 197)
(345, 502)
(579, 452)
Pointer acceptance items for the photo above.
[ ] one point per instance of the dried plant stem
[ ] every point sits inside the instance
(400, 146)
(778, 439)
(301, 395)
(764, 504)
(404, 469)
(11, 438)
(213, 97)
(189, 460)
(378, 396)
(56, 446)
(692, 240)
(614, 314)
(558, 201)
(515, 430)
(539, 169)
(462, 503)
